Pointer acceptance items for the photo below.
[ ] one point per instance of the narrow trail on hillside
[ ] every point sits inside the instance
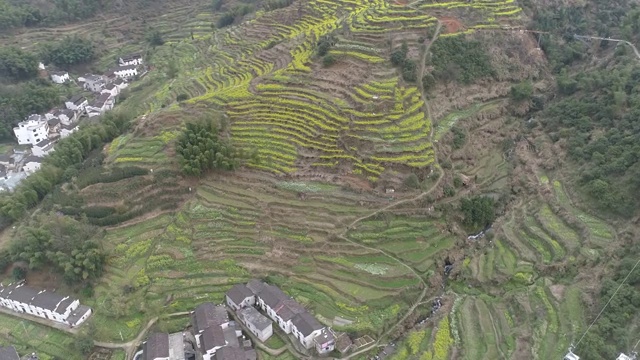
(420, 300)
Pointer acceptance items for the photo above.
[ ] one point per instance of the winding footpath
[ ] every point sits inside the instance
(420, 300)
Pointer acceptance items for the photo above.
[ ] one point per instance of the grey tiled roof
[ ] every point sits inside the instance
(239, 292)
(157, 346)
(306, 323)
(212, 337)
(272, 295)
(207, 315)
(252, 316)
(256, 286)
(8, 353)
(230, 353)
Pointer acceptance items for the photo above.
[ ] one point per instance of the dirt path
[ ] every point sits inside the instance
(420, 300)
(423, 60)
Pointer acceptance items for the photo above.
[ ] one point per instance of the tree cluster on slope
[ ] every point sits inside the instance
(456, 58)
(478, 212)
(69, 245)
(17, 64)
(407, 66)
(201, 147)
(69, 51)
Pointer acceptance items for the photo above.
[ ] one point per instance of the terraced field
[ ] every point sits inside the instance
(302, 215)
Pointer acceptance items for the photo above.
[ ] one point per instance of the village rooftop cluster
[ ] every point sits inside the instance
(214, 337)
(42, 131)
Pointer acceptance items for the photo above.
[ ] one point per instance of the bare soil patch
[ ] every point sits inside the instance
(451, 25)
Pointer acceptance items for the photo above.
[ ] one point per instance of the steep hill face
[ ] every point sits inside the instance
(373, 125)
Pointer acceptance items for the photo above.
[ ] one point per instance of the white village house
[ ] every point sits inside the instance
(123, 72)
(32, 164)
(257, 323)
(42, 303)
(43, 148)
(240, 296)
(77, 103)
(121, 84)
(290, 316)
(94, 83)
(111, 89)
(66, 130)
(60, 77)
(33, 130)
(65, 116)
(131, 59)
(102, 104)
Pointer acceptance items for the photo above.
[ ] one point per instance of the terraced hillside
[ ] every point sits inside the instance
(310, 212)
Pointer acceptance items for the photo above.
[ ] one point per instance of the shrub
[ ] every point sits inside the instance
(225, 20)
(412, 181)
(428, 82)
(522, 91)
(409, 71)
(19, 273)
(98, 211)
(325, 44)
(182, 97)
(328, 60)
(459, 137)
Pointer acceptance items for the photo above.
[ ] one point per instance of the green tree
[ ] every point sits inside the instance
(154, 38)
(456, 58)
(200, 147)
(216, 5)
(478, 211)
(522, 91)
(225, 20)
(328, 60)
(428, 82)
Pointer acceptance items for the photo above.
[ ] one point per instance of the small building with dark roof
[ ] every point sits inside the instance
(212, 339)
(131, 59)
(344, 343)
(255, 286)
(8, 353)
(43, 148)
(230, 353)
(76, 103)
(240, 296)
(208, 314)
(257, 323)
(156, 347)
